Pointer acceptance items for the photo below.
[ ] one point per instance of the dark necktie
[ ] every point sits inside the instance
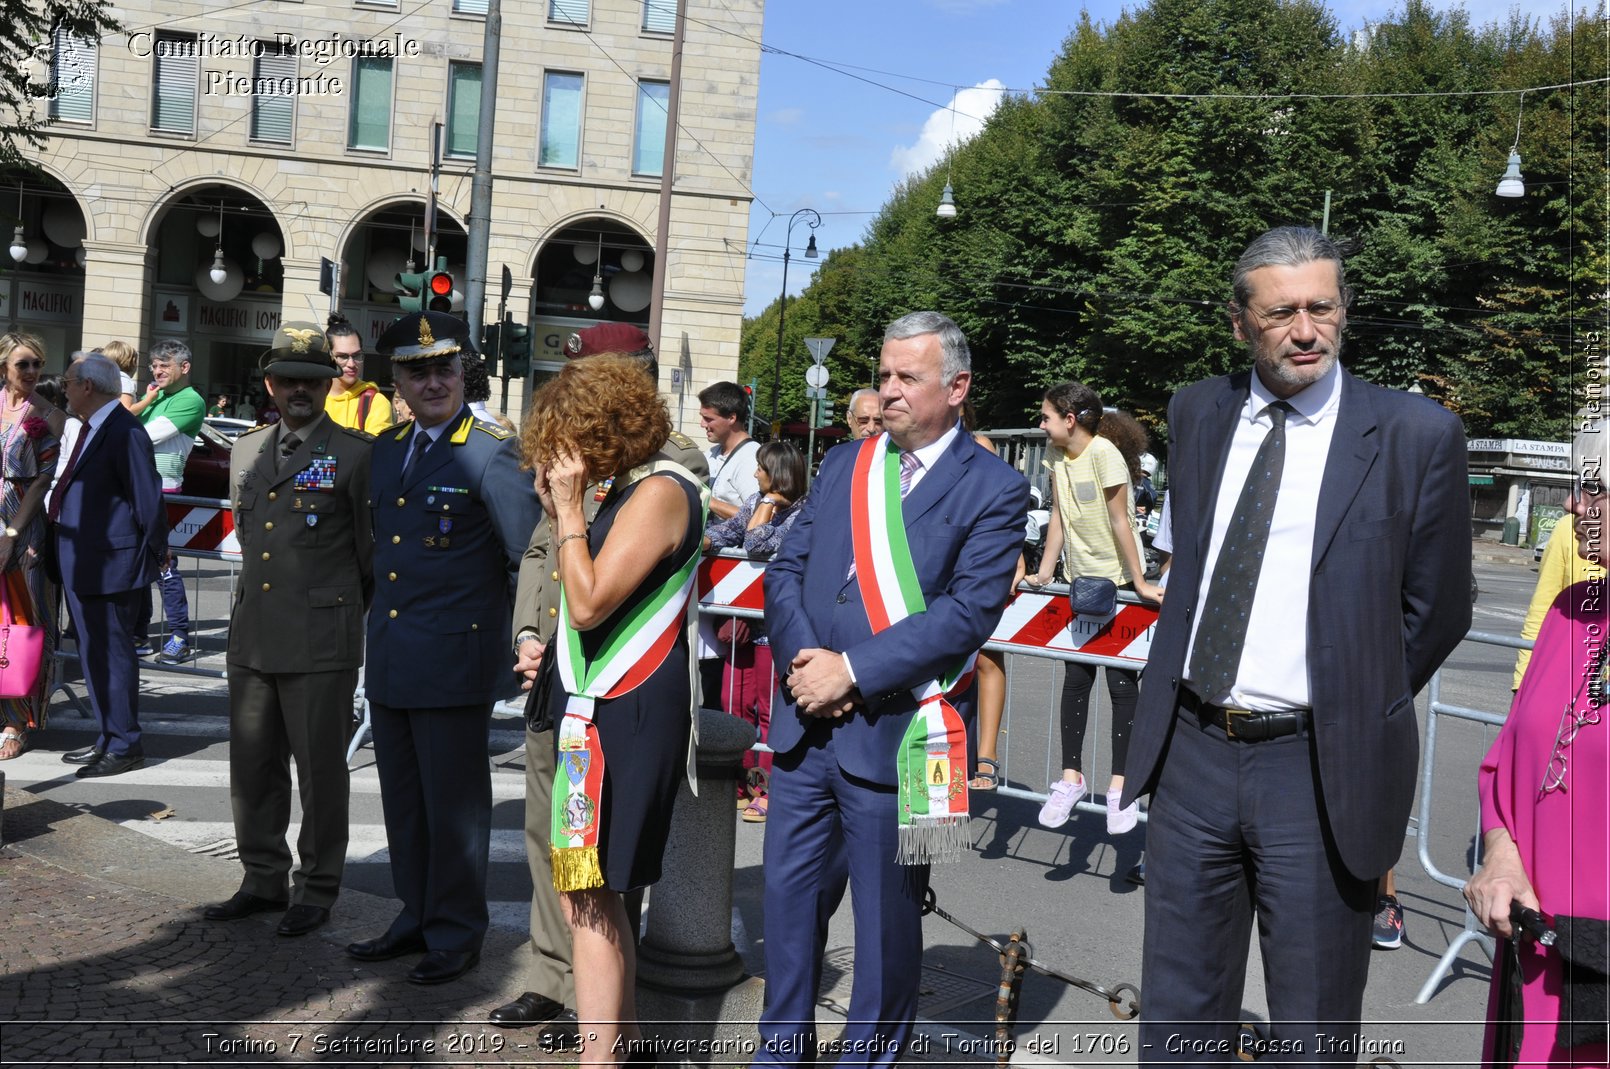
(421, 443)
(1221, 633)
(54, 512)
(288, 445)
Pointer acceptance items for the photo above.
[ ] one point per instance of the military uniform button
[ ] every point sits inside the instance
(475, 627)
(553, 612)
(269, 526)
(447, 508)
(272, 496)
(556, 575)
(392, 614)
(401, 502)
(395, 539)
(265, 586)
(340, 599)
(265, 556)
(392, 576)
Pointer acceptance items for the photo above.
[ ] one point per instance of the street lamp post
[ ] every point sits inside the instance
(782, 308)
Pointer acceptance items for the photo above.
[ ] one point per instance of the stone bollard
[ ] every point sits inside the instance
(693, 997)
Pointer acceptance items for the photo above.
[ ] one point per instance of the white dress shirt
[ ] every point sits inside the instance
(1273, 674)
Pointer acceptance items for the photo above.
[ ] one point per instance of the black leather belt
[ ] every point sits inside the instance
(1244, 725)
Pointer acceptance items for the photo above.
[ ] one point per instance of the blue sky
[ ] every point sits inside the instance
(828, 141)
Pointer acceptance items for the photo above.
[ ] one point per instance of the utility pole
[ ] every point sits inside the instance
(435, 189)
(481, 188)
(662, 229)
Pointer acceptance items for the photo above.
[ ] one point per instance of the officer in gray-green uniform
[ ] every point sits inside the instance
(453, 513)
(536, 613)
(301, 491)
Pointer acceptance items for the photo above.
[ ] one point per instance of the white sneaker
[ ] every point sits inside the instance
(1121, 820)
(1057, 808)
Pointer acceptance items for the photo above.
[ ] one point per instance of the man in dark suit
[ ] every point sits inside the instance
(1321, 573)
(452, 516)
(111, 539)
(301, 495)
(837, 794)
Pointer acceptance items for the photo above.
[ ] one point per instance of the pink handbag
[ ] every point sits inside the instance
(22, 651)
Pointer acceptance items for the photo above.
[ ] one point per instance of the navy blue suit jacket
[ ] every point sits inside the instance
(448, 543)
(112, 528)
(1389, 597)
(965, 522)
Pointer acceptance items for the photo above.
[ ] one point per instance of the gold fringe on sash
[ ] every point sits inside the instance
(576, 868)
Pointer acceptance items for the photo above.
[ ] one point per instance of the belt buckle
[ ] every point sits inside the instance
(1230, 715)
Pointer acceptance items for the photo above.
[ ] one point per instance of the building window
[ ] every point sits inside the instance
(463, 108)
(369, 120)
(648, 143)
(72, 77)
(561, 120)
(659, 16)
(469, 7)
(573, 12)
(173, 86)
(273, 93)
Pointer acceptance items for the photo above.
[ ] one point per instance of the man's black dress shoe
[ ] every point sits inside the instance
(301, 919)
(112, 764)
(440, 966)
(529, 1008)
(88, 755)
(241, 904)
(386, 947)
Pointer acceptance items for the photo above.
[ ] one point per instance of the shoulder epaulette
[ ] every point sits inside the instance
(404, 429)
(496, 430)
(362, 436)
(254, 430)
(683, 440)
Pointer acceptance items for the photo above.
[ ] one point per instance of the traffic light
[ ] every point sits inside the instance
(439, 291)
(410, 290)
(826, 415)
(516, 349)
(491, 336)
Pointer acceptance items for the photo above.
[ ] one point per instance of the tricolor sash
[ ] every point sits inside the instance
(629, 655)
(931, 763)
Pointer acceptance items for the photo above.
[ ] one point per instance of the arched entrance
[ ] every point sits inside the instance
(42, 284)
(216, 284)
(595, 270)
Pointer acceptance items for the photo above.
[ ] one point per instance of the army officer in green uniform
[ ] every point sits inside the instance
(549, 985)
(452, 515)
(301, 490)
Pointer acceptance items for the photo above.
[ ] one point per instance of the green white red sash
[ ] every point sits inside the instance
(931, 764)
(629, 655)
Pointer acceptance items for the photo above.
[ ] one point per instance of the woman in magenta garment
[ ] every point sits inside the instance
(1545, 806)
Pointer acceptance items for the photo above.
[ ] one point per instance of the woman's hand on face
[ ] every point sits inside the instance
(567, 481)
(540, 481)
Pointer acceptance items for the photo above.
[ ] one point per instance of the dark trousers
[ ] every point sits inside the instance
(820, 818)
(274, 718)
(175, 606)
(548, 968)
(1238, 830)
(436, 793)
(105, 624)
(1124, 687)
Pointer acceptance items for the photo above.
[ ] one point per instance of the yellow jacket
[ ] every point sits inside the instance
(1561, 567)
(344, 407)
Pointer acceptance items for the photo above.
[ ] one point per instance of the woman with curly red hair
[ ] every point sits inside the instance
(619, 688)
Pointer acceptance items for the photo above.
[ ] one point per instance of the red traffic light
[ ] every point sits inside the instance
(441, 284)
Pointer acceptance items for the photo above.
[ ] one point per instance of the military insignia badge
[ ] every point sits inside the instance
(603, 489)
(444, 525)
(318, 475)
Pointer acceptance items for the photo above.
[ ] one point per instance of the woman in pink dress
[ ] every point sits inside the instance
(1545, 799)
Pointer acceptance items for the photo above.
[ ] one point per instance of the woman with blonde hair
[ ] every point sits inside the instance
(617, 673)
(30, 436)
(127, 359)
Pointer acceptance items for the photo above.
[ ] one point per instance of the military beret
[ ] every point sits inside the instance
(608, 338)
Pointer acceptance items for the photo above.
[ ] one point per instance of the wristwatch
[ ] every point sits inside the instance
(11, 532)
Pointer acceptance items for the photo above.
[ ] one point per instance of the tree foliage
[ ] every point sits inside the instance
(27, 28)
(1098, 223)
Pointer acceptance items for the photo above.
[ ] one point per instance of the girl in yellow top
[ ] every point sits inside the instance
(1093, 531)
(353, 402)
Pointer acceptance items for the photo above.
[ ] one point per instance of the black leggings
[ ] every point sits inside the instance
(1123, 685)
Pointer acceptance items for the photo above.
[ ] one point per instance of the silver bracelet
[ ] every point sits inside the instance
(561, 543)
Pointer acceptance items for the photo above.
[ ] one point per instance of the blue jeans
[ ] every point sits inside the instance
(175, 607)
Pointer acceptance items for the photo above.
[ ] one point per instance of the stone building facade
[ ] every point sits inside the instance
(284, 133)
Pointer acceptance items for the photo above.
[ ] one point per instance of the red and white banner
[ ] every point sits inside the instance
(201, 526)
(1033, 622)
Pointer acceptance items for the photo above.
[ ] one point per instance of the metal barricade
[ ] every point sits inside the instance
(1473, 931)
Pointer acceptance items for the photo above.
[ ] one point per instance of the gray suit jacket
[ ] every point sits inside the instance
(1388, 600)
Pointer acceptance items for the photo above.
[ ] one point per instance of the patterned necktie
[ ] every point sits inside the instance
(908, 471)
(53, 513)
(1221, 633)
(421, 443)
(288, 445)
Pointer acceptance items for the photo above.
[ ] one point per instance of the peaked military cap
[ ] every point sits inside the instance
(299, 352)
(425, 336)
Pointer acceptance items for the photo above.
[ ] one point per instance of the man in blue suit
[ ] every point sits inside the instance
(849, 691)
(1321, 573)
(452, 516)
(110, 540)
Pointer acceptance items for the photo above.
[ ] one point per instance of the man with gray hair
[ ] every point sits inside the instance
(173, 414)
(871, 629)
(1321, 573)
(864, 413)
